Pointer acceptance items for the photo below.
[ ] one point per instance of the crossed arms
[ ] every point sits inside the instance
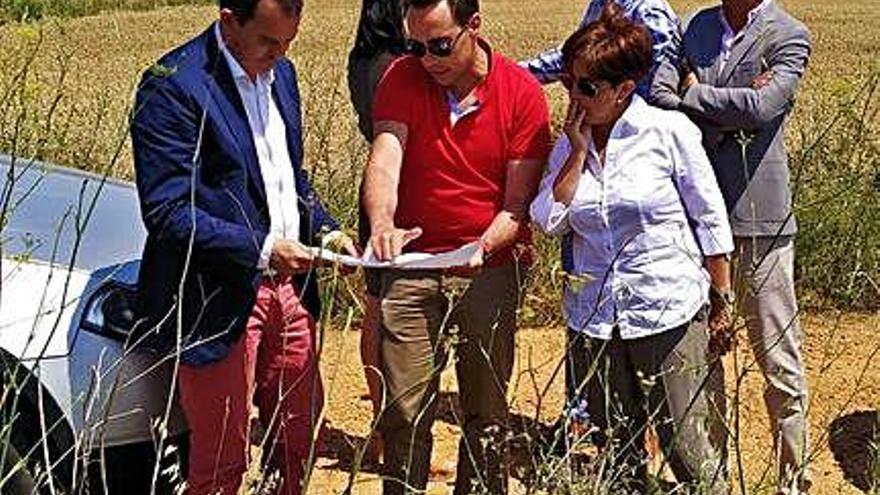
(769, 96)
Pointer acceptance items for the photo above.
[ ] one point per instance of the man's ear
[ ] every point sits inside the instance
(475, 22)
(228, 19)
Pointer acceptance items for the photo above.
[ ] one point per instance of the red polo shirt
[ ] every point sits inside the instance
(452, 180)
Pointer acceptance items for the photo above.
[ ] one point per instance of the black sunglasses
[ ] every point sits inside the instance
(584, 86)
(438, 47)
(587, 87)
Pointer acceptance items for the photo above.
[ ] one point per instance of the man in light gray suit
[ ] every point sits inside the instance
(740, 67)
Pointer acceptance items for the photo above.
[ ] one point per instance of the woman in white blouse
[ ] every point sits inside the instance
(650, 241)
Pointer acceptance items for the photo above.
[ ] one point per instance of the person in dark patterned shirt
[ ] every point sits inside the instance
(378, 42)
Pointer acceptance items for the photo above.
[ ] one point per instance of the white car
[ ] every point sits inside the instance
(72, 398)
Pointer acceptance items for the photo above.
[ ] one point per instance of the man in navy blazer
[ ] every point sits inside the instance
(226, 278)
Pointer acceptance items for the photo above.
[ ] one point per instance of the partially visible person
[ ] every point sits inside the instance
(224, 279)
(656, 15)
(634, 188)
(461, 138)
(742, 63)
(378, 42)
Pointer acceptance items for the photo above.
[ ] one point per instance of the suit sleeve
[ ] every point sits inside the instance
(317, 218)
(745, 107)
(664, 86)
(166, 135)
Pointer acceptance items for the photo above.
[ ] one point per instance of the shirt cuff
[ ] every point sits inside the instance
(550, 215)
(558, 216)
(266, 252)
(715, 241)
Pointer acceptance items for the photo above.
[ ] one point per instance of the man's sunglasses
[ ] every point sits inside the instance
(438, 47)
(585, 86)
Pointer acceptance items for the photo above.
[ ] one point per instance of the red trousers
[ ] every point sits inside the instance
(274, 366)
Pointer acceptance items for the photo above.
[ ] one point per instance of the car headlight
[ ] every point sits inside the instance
(111, 310)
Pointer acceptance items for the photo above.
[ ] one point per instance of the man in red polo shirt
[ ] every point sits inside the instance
(461, 135)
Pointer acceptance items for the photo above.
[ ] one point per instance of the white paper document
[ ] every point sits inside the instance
(408, 261)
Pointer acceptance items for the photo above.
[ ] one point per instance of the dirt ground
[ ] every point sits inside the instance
(843, 362)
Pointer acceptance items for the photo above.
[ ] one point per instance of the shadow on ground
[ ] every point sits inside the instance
(531, 443)
(854, 440)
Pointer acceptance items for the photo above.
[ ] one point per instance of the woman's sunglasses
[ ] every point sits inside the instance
(585, 86)
(438, 47)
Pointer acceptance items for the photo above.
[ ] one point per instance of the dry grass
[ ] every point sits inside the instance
(106, 54)
(842, 368)
(102, 56)
(100, 59)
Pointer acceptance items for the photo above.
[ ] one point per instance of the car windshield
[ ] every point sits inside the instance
(52, 213)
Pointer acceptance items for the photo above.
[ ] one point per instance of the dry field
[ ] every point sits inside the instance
(843, 363)
(83, 73)
(91, 65)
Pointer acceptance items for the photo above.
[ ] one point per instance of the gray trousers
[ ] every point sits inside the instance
(424, 315)
(764, 278)
(659, 380)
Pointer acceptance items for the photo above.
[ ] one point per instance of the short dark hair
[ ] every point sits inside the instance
(614, 48)
(462, 10)
(244, 9)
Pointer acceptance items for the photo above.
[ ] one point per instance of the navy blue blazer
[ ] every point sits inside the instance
(199, 182)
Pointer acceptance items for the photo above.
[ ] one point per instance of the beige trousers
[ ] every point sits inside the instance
(764, 277)
(425, 314)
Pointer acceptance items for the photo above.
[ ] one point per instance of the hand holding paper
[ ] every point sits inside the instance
(460, 257)
(388, 243)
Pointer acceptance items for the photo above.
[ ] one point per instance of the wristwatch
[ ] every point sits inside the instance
(487, 252)
(725, 295)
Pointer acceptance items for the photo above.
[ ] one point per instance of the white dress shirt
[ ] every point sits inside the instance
(270, 141)
(730, 38)
(642, 224)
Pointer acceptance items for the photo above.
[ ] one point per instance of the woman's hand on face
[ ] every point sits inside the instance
(576, 127)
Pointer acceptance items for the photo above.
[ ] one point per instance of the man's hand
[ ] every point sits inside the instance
(473, 267)
(290, 257)
(763, 80)
(388, 242)
(340, 242)
(689, 80)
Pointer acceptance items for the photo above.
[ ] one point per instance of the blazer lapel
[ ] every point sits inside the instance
(225, 93)
(753, 35)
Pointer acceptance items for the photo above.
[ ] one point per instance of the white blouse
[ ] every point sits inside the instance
(641, 226)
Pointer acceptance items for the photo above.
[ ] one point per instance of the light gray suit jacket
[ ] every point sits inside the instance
(730, 112)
